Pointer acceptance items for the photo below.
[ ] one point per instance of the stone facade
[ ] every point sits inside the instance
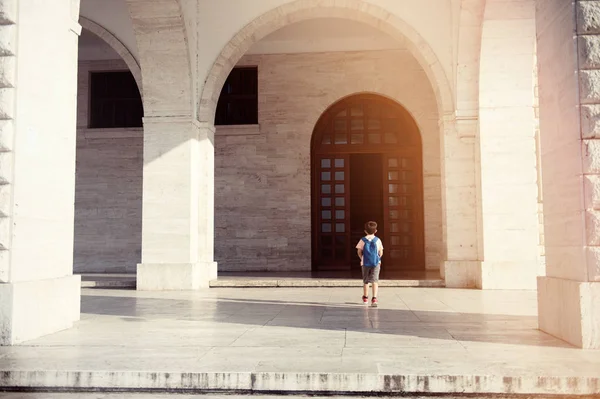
(471, 63)
(263, 174)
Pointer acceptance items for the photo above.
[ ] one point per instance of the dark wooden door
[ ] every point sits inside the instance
(367, 124)
(403, 201)
(333, 212)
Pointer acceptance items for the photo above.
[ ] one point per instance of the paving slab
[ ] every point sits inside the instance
(304, 340)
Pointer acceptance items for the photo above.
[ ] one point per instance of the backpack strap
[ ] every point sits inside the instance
(364, 240)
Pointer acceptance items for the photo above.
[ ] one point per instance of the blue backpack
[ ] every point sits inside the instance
(370, 253)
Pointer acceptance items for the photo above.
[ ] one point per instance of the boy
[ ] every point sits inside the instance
(370, 251)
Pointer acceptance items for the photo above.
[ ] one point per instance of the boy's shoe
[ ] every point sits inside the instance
(365, 299)
(374, 302)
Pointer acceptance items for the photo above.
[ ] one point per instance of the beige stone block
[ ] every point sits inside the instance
(588, 17)
(570, 310)
(590, 121)
(8, 12)
(567, 262)
(593, 227)
(593, 263)
(589, 51)
(8, 40)
(507, 122)
(5, 200)
(564, 229)
(7, 103)
(509, 275)
(592, 191)
(591, 156)
(515, 28)
(6, 135)
(8, 71)
(589, 86)
(511, 246)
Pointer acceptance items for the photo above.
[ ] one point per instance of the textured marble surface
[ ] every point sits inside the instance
(430, 332)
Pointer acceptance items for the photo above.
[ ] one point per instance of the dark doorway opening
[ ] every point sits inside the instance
(366, 198)
(366, 165)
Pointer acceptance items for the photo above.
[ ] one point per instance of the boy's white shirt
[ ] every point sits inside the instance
(361, 245)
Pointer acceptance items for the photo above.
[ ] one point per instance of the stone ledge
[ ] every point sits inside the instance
(238, 130)
(297, 383)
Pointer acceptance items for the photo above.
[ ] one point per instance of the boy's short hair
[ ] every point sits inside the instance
(371, 227)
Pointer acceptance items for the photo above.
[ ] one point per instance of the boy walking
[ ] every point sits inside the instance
(370, 251)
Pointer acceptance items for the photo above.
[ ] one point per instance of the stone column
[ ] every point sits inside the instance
(509, 191)
(568, 40)
(178, 205)
(38, 87)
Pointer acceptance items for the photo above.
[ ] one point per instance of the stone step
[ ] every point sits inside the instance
(108, 281)
(297, 383)
(316, 282)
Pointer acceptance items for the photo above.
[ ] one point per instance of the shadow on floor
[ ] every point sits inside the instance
(452, 326)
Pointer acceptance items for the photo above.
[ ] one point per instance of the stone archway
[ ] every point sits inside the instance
(300, 10)
(460, 236)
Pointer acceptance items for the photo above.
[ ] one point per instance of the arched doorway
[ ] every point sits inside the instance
(367, 165)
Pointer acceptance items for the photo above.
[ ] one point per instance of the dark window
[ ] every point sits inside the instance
(115, 100)
(238, 103)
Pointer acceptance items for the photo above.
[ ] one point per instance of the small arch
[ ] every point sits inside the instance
(301, 10)
(367, 164)
(116, 45)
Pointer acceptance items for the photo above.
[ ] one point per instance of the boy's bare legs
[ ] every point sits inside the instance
(366, 290)
(375, 289)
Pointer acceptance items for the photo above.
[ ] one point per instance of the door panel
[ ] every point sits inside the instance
(403, 202)
(333, 231)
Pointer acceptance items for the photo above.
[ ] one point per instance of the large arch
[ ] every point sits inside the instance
(300, 10)
(302, 119)
(116, 45)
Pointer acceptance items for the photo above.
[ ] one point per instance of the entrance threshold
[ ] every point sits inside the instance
(322, 279)
(265, 279)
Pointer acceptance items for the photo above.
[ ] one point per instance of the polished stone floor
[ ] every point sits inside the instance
(421, 330)
(424, 331)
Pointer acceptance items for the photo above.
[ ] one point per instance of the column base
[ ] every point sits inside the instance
(570, 310)
(32, 309)
(175, 276)
(462, 273)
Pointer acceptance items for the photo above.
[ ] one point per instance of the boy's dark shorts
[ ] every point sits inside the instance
(370, 274)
